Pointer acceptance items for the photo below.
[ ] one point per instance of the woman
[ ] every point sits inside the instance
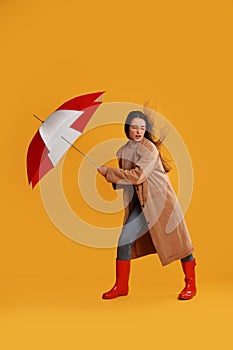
(153, 221)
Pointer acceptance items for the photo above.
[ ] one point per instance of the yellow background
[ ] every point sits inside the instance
(178, 54)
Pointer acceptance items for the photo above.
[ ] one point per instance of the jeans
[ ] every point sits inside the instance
(134, 228)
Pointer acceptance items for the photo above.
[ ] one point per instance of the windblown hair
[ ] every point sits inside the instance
(148, 134)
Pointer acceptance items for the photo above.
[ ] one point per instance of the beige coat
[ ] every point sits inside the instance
(141, 169)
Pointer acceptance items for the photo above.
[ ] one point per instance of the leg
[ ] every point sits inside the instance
(188, 258)
(134, 227)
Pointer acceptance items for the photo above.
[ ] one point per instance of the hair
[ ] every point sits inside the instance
(148, 134)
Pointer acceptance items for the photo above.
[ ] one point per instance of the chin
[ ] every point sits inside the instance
(138, 140)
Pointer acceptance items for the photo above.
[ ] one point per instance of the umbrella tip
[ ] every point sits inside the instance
(35, 116)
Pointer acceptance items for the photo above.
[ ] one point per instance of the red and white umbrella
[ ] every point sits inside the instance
(58, 133)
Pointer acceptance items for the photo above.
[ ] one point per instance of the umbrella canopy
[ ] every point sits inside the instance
(57, 133)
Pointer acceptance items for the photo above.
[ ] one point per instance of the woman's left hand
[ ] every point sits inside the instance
(102, 170)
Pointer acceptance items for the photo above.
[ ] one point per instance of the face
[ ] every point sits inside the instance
(137, 129)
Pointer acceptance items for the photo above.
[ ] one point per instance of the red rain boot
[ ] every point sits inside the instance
(189, 290)
(122, 277)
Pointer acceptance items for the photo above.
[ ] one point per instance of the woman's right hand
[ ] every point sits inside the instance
(102, 170)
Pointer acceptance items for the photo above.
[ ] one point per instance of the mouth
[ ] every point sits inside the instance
(138, 137)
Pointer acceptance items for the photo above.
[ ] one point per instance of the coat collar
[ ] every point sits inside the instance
(135, 144)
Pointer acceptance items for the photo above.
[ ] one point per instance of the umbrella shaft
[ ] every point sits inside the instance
(90, 160)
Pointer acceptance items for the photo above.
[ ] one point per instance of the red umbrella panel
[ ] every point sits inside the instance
(64, 124)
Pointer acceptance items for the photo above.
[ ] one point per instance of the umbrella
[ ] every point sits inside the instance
(58, 133)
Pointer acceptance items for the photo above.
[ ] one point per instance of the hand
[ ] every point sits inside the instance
(102, 170)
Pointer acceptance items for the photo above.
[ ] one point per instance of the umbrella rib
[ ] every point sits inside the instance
(90, 160)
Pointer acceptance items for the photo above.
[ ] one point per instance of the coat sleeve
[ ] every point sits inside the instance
(146, 161)
(120, 184)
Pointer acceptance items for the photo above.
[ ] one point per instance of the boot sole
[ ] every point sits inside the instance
(119, 295)
(180, 298)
